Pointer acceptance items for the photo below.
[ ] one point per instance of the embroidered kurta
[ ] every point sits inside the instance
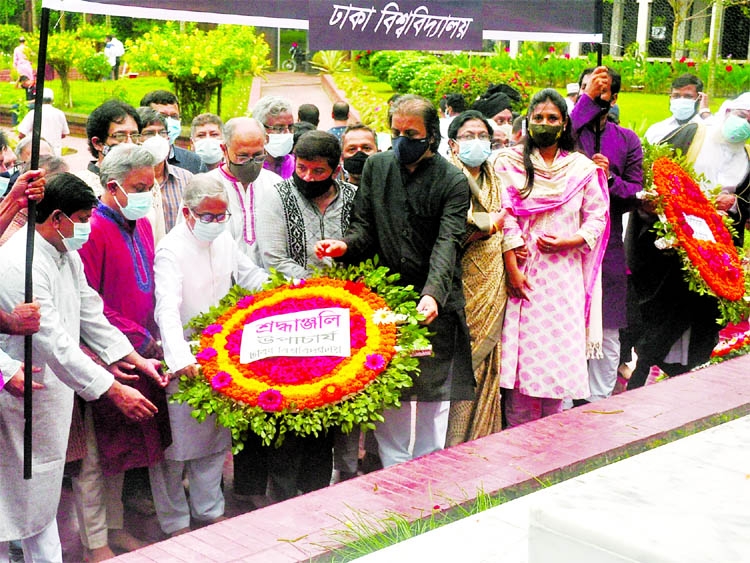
(118, 261)
(70, 310)
(243, 204)
(544, 338)
(292, 224)
(191, 276)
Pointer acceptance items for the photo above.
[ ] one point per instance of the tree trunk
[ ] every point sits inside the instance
(714, 55)
(65, 85)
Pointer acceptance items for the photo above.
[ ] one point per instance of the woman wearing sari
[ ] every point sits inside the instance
(470, 138)
(558, 219)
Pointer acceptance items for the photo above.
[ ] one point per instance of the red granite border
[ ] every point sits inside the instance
(511, 463)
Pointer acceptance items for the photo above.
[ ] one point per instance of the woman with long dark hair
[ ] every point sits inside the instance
(554, 238)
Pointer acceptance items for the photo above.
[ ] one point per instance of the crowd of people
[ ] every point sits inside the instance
(509, 226)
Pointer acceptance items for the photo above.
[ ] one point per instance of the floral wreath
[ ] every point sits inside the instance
(308, 395)
(711, 266)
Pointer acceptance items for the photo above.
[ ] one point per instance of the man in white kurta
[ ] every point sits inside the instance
(191, 275)
(245, 179)
(70, 310)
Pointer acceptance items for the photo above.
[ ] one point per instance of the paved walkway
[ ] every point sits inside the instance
(299, 88)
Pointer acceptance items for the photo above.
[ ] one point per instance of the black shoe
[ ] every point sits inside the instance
(580, 402)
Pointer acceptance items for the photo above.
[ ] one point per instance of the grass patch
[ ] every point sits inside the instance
(363, 533)
(88, 95)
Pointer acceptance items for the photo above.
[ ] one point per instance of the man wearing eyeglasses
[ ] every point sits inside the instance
(275, 114)
(171, 179)
(166, 104)
(118, 261)
(110, 124)
(244, 178)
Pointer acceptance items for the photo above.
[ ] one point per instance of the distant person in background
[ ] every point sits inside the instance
(300, 128)
(358, 143)
(687, 103)
(340, 114)
(166, 104)
(54, 123)
(572, 90)
(206, 136)
(23, 157)
(114, 50)
(21, 62)
(28, 84)
(452, 105)
(309, 113)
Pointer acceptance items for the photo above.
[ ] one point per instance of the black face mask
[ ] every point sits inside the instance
(247, 172)
(314, 189)
(545, 135)
(408, 151)
(604, 104)
(356, 163)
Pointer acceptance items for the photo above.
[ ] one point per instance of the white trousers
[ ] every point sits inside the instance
(42, 548)
(603, 372)
(98, 498)
(394, 436)
(173, 507)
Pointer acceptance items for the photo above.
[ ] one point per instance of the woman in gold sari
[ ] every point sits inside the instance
(469, 137)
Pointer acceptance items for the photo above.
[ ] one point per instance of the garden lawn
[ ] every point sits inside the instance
(88, 95)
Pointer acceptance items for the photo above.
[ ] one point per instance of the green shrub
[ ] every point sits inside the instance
(426, 80)
(382, 61)
(402, 73)
(95, 67)
(9, 35)
(362, 58)
(473, 82)
(329, 62)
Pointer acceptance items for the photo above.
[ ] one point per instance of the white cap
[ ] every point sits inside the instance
(572, 88)
(48, 94)
(740, 102)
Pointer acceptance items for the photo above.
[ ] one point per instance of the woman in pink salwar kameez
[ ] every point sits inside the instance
(554, 239)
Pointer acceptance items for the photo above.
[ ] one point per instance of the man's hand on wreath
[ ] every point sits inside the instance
(725, 201)
(429, 308)
(193, 370)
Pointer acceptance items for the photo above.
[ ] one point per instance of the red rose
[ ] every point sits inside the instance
(728, 68)
(551, 49)
(691, 64)
(683, 59)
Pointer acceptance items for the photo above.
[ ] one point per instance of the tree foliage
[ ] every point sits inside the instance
(197, 62)
(9, 35)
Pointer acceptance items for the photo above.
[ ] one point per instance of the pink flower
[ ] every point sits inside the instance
(210, 330)
(466, 85)
(436, 507)
(205, 354)
(270, 400)
(245, 302)
(551, 49)
(221, 380)
(454, 81)
(507, 49)
(567, 55)
(374, 362)
(299, 283)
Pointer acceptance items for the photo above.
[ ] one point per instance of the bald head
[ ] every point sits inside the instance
(243, 127)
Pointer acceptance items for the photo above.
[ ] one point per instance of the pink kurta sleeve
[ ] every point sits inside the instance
(595, 210)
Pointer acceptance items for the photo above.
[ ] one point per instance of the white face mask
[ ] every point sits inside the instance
(474, 152)
(209, 150)
(279, 144)
(207, 232)
(158, 146)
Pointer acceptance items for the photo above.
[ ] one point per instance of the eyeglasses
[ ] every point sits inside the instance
(256, 158)
(278, 128)
(211, 217)
(148, 134)
(122, 137)
(469, 137)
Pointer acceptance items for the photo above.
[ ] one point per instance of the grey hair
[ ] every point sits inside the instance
(26, 141)
(231, 125)
(149, 116)
(204, 119)
(202, 186)
(270, 105)
(121, 160)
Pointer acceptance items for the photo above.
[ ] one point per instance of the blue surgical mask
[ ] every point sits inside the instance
(138, 206)
(736, 129)
(174, 128)
(474, 152)
(207, 232)
(682, 108)
(81, 232)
